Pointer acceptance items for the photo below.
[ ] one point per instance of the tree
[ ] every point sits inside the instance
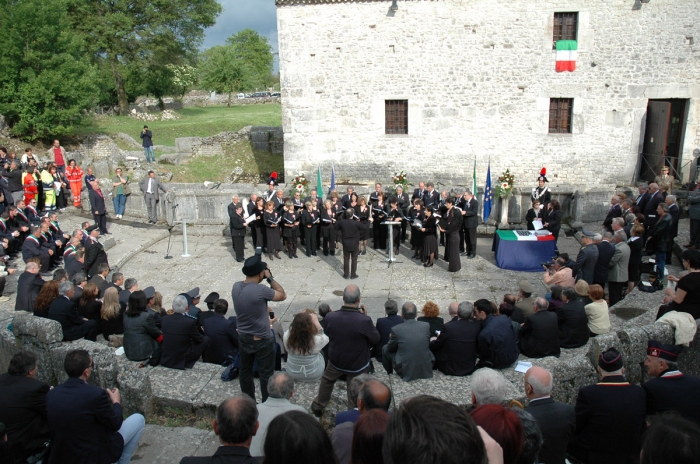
(255, 51)
(124, 32)
(184, 78)
(46, 83)
(222, 71)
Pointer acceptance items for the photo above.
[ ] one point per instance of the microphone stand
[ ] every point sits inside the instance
(170, 234)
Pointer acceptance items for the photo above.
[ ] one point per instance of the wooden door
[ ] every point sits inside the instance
(655, 139)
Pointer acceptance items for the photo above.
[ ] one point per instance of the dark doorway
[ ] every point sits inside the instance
(663, 137)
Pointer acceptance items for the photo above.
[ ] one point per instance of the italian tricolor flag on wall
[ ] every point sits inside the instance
(566, 55)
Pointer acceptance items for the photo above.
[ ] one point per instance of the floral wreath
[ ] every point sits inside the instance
(400, 180)
(300, 184)
(506, 182)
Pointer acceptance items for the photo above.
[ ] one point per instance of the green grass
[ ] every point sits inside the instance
(193, 122)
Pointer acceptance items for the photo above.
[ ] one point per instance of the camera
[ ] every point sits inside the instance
(547, 264)
(258, 251)
(271, 314)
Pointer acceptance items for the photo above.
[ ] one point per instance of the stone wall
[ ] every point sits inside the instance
(478, 77)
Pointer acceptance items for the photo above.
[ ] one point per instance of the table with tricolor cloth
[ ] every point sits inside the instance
(522, 252)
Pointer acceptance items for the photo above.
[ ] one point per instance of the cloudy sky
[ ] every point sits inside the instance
(258, 15)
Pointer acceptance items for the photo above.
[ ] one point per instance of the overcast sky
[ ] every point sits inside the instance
(258, 15)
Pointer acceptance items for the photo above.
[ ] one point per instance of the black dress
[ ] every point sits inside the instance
(290, 230)
(272, 233)
(635, 263)
(259, 228)
(328, 229)
(91, 311)
(416, 234)
(307, 219)
(451, 222)
(364, 220)
(379, 230)
(429, 238)
(554, 221)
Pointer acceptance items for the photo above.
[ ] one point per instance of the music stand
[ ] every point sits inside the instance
(390, 231)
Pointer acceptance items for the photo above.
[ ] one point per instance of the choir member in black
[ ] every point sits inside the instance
(395, 215)
(438, 213)
(430, 247)
(290, 230)
(451, 223)
(339, 209)
(364, 212)
(404, 205)
(272, 221)
(352, 203)
(318, 206)
(534, 213)
(298, 203)
(379, 216)
(279, 202)
(253, 225)
(328, 220)
(542, 193)
(553, 223)
(259, 229)
(308, 222)
(238, 232)
(374, 196)
(417, 216)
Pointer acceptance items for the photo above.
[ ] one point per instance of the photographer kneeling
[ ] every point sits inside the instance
(558, 273)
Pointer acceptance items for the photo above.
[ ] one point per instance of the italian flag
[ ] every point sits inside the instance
(566, 55)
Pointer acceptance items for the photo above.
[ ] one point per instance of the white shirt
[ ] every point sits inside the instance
(150, 186)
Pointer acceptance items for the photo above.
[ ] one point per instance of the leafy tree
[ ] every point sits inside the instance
(184, 78)
(127, 32)
(223, 71)
(46, 83)
(255, 51)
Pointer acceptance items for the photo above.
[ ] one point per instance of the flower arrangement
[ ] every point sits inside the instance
(400, 179)
(300, 184)
(504, 188)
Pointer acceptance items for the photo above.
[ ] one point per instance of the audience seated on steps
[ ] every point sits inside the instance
(407, 351)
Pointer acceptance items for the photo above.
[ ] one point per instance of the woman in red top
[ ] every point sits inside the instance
(75, 177)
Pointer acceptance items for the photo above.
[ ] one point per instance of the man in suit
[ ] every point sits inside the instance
(650, 213)
(235, 424)
(403, 207)
(31, 248)
(64, 311)
(641, 201)
(455, 346)
(183, 344)
(94, 252)
(419, 193)
(86, 421)
(100, 278)
(351, 231)
(606, 250)
(223, 335)
(572, 319)
(130, 286)
(384, 326)
(609, 416)
(352, 335)
(79, 280)
(408, 349)
(539, 335)
(430, 197)
(77, 264)
(675, 213)
(470, 212)
(614, 211)
(97, 205)
(523, 306)
(440, 210)
(28, 286)
(280, 389)
(587, 257)
(238, 228)
(117, 282)
(670, 389)
(557, 421)
(618, 273)
(497, 345)
(23, 406)
(150, 187)
(346, 200)
(694, 213)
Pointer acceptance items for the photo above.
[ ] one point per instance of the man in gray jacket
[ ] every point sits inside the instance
(280, 388)
(587, 257)
(408, 351)
(694, 213)
(149, 187)
(617, 275)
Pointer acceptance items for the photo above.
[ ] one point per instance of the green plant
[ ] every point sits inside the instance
(504, 188)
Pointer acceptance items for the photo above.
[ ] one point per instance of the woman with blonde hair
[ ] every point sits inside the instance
(304, 341)
(364, 213)
(112, 314)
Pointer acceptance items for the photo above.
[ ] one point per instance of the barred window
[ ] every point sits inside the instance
(560, 111)
(565, 27)
(396, 116)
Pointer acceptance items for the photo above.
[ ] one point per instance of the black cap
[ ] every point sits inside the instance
(610, 360)
(212, 297)
(91, 228)
(254, 266)
(663, 351)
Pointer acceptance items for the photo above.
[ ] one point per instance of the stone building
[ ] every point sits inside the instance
(430, 86)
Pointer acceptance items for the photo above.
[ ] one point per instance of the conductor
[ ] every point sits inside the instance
(351, 231)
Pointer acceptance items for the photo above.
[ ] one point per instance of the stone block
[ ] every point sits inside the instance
(601, 343)
(135, 387)
(104, 374)
(689, 360)
(101, 169)
(172, 159)
(185, 145)
(177, 389)
(36, 331)
(8, 348)
(6, 315)
(633, 349)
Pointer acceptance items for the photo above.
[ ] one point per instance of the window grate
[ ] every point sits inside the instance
(396, 116)
(560, 111)
(565, 27)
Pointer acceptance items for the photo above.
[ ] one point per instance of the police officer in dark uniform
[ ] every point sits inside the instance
(670, 390)
(609, 416)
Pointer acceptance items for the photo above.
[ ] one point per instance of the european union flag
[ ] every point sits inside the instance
(488, 194)
(332, 187)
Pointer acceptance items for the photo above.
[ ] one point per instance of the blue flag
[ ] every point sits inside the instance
(488, 194)
(332, 187)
